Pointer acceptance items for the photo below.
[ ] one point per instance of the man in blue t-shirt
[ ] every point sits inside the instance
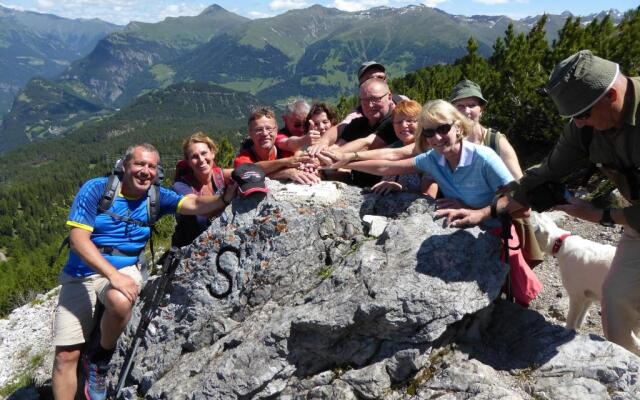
(103, 265)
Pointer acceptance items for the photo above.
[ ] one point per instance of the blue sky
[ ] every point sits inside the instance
(123, 11)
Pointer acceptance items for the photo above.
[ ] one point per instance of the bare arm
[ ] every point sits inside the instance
(294, 143)
(81, 244)
(207, 205)
(337, 158)
(384, 167)
(358, 144)
(290, 162)
(510, 158)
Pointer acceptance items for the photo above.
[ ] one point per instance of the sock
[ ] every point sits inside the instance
(101, 355)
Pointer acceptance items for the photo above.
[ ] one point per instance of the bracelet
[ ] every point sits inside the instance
(356, 157)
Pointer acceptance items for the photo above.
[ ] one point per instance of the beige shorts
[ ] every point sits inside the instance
(75, 315)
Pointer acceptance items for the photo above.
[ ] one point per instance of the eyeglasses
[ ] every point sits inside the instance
(583, 115)
(268, 130)
(441, 129)
(373, 99)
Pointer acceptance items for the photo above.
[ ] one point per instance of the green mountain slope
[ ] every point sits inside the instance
(44, 110)
(312, 52)
(33, 44)
(120, 67)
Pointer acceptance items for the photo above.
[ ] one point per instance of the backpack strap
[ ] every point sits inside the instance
(153, 204)
(112, 190)
(491, 140)
(218, 180)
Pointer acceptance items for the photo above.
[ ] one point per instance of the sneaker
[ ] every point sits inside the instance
(95, 381)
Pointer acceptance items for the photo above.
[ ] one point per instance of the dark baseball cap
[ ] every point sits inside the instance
(250, 179)
(369, 64)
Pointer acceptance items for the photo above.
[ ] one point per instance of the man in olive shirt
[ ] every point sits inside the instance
(604, 129)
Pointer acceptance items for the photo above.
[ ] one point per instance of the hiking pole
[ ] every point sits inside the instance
(169, 267)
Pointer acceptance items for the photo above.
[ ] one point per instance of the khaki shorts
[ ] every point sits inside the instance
(75, 315)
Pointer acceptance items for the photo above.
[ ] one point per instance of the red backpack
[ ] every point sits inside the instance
(185, 174)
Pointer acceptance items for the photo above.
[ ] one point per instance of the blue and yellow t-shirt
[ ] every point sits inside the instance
(107, 231)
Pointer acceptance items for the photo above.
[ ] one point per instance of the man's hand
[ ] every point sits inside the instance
(580, 209)
(385, 187)
(463, 217)
(337, 158)
(302, 177)
(297, 160)
(313, 136)
(315, 149)
(125, 285)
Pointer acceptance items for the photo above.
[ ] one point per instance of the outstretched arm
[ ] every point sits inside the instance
(384, 167)
(337, 158)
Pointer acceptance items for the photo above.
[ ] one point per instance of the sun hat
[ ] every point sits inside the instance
(578, 82)
(465, 89)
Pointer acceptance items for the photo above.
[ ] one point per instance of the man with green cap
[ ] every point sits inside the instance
(604, 129)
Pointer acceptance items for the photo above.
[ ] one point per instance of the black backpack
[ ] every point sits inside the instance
(111, 192)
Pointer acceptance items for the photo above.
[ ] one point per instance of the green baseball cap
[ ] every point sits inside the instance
(465, 89)
(578, 82)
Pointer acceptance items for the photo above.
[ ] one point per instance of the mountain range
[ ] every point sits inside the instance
(312, 52)
(33, 44)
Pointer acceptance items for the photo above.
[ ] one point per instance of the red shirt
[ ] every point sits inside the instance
(248, 155)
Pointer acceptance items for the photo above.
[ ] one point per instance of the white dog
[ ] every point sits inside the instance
(583, 265)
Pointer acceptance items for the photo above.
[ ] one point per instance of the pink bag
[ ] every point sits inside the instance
(525, 285)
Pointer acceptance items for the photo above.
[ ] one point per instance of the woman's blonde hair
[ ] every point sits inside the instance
(437, 112)
(198, 137)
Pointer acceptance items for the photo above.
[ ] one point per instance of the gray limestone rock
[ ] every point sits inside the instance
(320, 310)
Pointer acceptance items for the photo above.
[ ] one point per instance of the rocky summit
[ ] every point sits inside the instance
(323, 307)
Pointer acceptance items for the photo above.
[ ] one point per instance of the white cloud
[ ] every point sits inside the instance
(258, 14)
(13, 7)
(119, 11)
(433, 3)
(45, 4)
(358, 5)
(287, 4)
(491, 2)
(182, 9)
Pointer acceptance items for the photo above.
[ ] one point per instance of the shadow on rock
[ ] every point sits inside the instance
(517, 338)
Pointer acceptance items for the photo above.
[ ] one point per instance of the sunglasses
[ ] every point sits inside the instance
(583, 115)
(441, 129)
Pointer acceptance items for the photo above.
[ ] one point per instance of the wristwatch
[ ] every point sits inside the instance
(606, 218)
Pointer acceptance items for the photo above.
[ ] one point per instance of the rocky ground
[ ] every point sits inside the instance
(19, 341)
(553, 302)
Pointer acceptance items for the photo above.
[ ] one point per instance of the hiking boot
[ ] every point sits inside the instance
(95, 381)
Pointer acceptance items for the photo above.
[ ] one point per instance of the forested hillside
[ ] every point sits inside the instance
(38, 183)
